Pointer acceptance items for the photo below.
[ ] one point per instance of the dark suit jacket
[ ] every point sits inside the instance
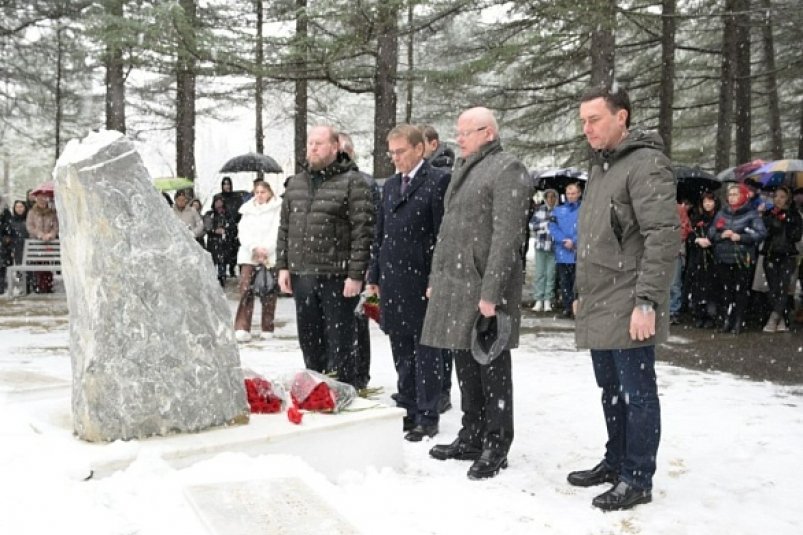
(401, 256)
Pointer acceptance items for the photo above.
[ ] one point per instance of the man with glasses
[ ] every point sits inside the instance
(408, 220)
(325, 233)
(475, 270)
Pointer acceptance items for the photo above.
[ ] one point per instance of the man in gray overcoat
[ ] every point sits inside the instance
(628, 234)
(475, 269)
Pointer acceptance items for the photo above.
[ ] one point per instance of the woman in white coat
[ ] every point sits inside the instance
(258, 231)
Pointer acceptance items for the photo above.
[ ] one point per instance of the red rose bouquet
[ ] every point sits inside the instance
(264, 396)
(779, 214)
(368, 306)
(313, 391)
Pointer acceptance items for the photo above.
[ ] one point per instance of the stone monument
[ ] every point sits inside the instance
(151, 343)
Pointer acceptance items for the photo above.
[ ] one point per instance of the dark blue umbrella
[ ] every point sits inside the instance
(692, 182)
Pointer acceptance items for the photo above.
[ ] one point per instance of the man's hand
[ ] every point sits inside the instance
(568, 244)
(372, 289)
(642, 323)
(284, 281)
(428, 293)
(575, 307)
(487, 308)
(351, 287)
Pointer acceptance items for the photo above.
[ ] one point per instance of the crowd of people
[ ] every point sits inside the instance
(738, 258)
(33, 218)
(440, 245)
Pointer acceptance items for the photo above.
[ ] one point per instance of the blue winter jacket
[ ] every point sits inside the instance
(562, 225)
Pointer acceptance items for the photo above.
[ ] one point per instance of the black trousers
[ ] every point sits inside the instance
(419, 369)
(362, 351)
(326, 327)
(566, 283)
(486, 400)
(778, 271)
(734, 286)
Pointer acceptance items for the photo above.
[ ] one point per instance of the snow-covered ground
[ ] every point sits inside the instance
(729, 462)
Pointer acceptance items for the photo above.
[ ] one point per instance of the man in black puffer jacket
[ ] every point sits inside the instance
(325, 235)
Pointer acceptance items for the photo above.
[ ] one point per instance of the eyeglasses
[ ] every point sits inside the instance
(397, 152)
(466, 133)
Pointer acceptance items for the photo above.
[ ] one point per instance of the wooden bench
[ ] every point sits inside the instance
(37, 255)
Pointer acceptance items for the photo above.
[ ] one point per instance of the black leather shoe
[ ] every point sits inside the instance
(456, 450)
(488, 465)
(621, 496)
(420, 431)
(444, 404)
(408, 424)
(596, 476)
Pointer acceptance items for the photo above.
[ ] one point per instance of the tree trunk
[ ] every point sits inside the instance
(722, 156)
(387, 55)
(185, 95)
(300, 120)
(408, 110)
(603, 42)
(58, 95)
(742, 101)
(800, 135)
(776, 134)
(667, 75)
(258, 88)
(115, 81)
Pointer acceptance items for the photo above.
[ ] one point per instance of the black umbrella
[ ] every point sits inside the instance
(693, 182)
(558, 179)
(252, 162)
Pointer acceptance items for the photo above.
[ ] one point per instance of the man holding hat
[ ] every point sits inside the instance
(476, 272)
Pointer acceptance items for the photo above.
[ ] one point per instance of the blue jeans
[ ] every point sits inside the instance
(632, 411)
(676, 290)
(544, 281)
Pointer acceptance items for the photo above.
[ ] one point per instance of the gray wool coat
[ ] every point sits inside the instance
(477, 255)
(628, 233)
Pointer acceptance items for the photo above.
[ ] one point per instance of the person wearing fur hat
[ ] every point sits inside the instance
(735, 234)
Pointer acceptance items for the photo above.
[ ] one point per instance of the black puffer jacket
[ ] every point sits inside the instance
(784, 229)
(744, 221)
(327, 222)
(442, 157)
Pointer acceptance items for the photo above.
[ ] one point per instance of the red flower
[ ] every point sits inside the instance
(720, 224)
(294, 415)
(261, 397)
(700, 224)
(320, 398)
(372, 311)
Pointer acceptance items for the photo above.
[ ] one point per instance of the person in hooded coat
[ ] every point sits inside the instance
(258, 230)
(736, 233)
(628, 233)
(42, 224)
(221, 236)
(232, 200)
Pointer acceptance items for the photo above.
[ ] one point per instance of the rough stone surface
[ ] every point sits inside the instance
(151, 344)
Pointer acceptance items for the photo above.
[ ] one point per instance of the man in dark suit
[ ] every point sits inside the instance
(408, 221)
